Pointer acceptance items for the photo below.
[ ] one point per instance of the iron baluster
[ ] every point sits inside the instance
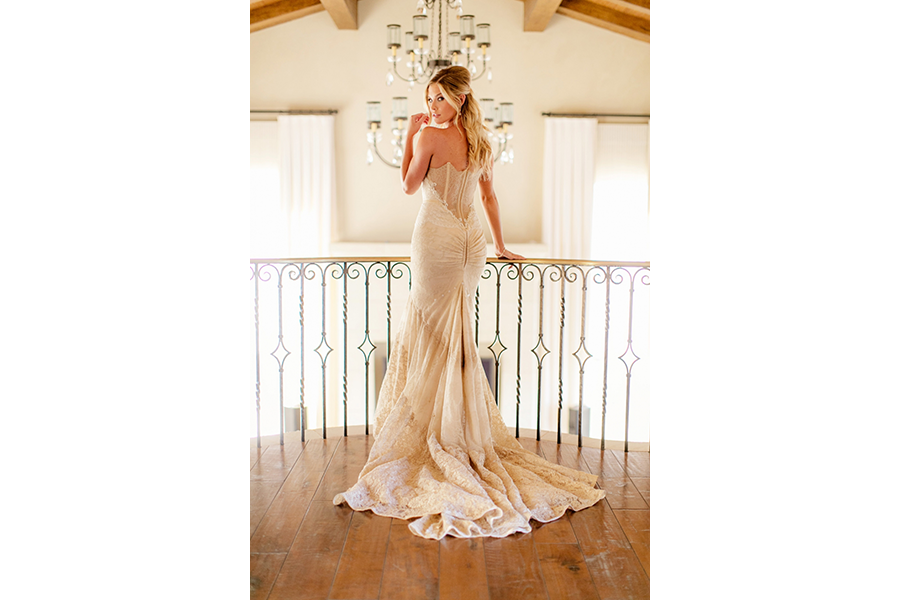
(605, 364)
(498, 342)
(519, 346)
(256, 321)
(562, 324)
(302, 360)
(345, 347)
(371, 347)
(582, 347)
(324, 357)
(275, 353)
(477, 317)
(540, 347)
(629, 348)
(389, 310)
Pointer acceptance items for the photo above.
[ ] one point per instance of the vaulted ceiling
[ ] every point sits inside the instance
(625, 17)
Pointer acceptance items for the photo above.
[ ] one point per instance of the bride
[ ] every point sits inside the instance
(442, 454)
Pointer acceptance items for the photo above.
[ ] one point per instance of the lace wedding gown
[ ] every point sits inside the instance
(442, 454)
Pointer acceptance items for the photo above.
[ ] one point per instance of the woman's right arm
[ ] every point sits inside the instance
(416, 159)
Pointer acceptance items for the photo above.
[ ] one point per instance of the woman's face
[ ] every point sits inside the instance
(440, 111)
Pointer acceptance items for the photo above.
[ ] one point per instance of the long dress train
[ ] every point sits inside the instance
(442, 454)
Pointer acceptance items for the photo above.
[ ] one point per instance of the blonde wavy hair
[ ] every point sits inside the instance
(456, 81)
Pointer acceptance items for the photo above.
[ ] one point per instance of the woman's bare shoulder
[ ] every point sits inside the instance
(430, 135)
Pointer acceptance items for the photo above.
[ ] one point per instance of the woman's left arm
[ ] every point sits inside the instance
(492, 212)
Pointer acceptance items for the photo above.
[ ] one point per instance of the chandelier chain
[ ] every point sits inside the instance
(440, 11)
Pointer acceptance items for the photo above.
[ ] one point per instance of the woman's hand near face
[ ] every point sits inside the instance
(416, 122)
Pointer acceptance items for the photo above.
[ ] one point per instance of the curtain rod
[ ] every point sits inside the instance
(329, 111)
(590, 115)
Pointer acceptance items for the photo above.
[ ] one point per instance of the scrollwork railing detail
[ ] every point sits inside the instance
(354, 308)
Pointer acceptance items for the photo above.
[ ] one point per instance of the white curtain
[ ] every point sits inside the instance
(306, 156)
(621, 192)
(568, 186)
(266, 227)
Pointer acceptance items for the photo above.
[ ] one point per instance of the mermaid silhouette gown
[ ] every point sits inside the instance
(442, 454)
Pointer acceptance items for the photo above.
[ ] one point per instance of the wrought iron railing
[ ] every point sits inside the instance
(322, 289)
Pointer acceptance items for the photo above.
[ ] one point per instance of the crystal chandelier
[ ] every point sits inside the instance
(423, 62)
(460, 50)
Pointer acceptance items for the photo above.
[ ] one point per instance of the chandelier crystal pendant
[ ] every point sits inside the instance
(445, 48)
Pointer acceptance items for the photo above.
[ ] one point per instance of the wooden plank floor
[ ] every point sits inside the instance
(304, 547)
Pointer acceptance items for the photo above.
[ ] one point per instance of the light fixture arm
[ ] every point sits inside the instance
(374, 146)
(398, 132)
(501, 148)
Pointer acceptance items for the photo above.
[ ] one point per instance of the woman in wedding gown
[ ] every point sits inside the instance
(442, 454)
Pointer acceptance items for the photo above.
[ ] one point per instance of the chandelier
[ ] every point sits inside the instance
(460, 50)
(423, 62)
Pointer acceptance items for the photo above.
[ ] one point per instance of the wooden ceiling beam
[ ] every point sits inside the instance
(267, 13)
(538, 13)
(343, 13)
(616, 15)
(626, 17)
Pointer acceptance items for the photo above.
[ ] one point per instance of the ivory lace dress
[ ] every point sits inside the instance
(442, 454)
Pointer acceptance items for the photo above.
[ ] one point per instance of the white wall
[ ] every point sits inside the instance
(569, 67)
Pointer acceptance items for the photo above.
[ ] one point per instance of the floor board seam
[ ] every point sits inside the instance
(589, 570)
(269, 507)
(258, 456)
(311, 498)
(630, 544)
(349, 522)
(640, 493)
(537, 558)
(305, 514)
(280, 487)
(337, 567)
(387, 547)
(487, 572)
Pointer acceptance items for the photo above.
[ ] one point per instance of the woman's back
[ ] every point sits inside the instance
(452, 147)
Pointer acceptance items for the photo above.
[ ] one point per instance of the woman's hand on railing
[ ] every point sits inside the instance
(507, 254)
